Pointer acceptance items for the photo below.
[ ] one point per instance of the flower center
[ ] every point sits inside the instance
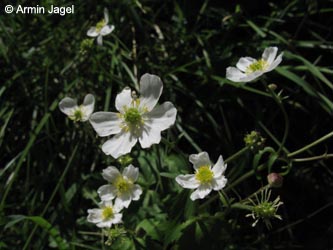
(259, 65)
(107, 213)
(100, 25)
(122, 185)
(77, 115)
(265, 210)
(133, 117)
(204, 174)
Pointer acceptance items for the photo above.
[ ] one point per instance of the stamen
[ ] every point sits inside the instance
(204, 174)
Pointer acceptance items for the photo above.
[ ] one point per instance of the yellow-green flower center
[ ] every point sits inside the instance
(107, 213)
(77, 115)
(259, 65)
(204, 174)
(100, 25)
(123, 185)
(265, 210)
(133, 117)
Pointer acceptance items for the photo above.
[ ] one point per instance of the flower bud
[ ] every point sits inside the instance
(125, 160)
(272, 86)
(254, 141)
(275, 180)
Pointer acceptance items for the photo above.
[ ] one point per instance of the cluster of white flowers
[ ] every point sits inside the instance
(122, 188)
(140, 119)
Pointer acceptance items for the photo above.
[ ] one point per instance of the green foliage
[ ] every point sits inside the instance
(51, 167)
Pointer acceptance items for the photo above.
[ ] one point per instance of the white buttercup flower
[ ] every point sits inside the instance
(206, 177)
(106, 215)
(101, 29)
(78, 113)
(139, 119)
(248, 68)
(121, 186)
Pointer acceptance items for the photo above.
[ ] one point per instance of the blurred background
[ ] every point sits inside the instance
(50, 166)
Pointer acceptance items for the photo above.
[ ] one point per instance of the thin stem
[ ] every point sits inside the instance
(278, 101)
(241, 206)
(325, 137)
(236, 155)
(313, 158)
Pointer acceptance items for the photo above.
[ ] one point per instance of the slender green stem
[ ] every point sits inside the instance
(224, 198)
(241, 206)
(278, 101)
(313, 158)
(236, 155)
(52, 195)
(325, 137)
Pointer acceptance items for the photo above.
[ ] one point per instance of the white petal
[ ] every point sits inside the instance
(106, 123)
(219, 167)
(111, 174)
(151, 88)
(106, 15)
(124, 99)
(95, 215)
(187, 181)
(234, 74)
(244, 62)
(131, 173)
(119, 144)
(92, 32)
(68, 106)
(100, 40)
(107, 29)
(116, 219)
(104, 224)
(88, 106)
(269, 54)
(117, 208)
(250, 77)
(106, 204)
(201, 192)
(123, 200)
(275, 63)
(149, 136)
(107, 192)
(219, 183)
(201, 159)
(136, 192)
(162, 117)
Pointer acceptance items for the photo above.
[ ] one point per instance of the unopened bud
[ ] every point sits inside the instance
(272, 86)
(125, 160)
(275, 180)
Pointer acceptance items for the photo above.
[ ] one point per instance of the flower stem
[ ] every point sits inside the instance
(325, 137)
(278, 101)
(241, 206)
(313, 158)
(237, 154)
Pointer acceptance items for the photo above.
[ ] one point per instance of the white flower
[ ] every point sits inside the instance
(121, 186)
(205, 178)
(78, 113)
(101, 29)
(139, 119)
(106, 215)
(248, 68)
